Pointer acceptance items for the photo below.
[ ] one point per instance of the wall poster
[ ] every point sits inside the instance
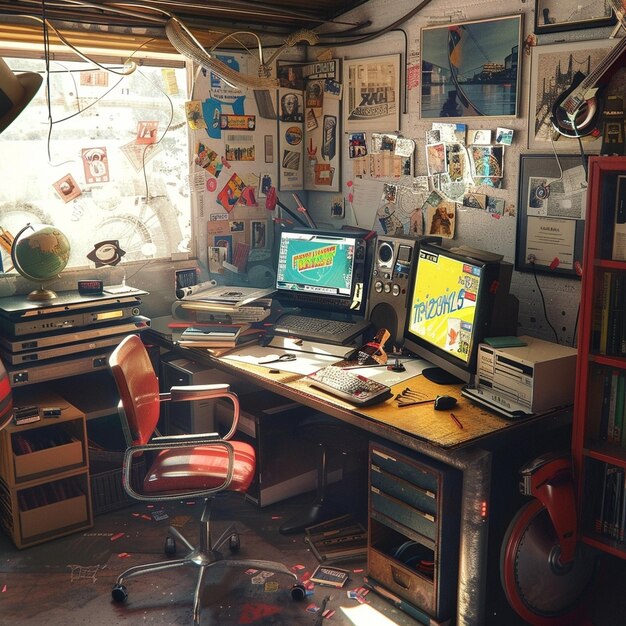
(372, 98)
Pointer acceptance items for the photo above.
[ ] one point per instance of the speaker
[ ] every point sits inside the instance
(392, 269)
(389, 285)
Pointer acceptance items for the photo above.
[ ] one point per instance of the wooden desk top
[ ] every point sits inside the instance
(421, 422)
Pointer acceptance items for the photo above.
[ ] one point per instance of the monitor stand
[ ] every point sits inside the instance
(440, 376)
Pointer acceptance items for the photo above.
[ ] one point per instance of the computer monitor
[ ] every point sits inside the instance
(457, 298)
(325, 270)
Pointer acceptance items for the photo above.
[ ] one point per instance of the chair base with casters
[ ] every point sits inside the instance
(204, 556)
(199, 465)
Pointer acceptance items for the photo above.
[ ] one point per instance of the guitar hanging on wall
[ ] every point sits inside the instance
(576, 111)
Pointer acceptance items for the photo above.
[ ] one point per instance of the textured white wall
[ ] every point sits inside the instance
(474, 227)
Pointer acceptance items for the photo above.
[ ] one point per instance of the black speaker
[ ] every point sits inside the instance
(389, 286)
(392, 268)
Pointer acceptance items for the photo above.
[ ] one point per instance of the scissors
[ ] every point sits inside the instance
(274, 358)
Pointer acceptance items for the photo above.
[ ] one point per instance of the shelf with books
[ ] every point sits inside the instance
(599, 428)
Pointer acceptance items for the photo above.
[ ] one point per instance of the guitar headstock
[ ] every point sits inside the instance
(619, 6)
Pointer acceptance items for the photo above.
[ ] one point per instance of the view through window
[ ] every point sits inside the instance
(111, 166)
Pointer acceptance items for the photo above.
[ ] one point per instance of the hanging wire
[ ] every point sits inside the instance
(543, 303)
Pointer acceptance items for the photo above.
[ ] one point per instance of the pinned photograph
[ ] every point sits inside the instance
(504, 136)
(479, 137)
(436, 158)
(440, 216)
(193, 112)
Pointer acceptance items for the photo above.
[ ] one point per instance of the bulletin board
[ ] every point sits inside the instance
(551, 214)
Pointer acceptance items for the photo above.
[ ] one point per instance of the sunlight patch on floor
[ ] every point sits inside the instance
(365, 615)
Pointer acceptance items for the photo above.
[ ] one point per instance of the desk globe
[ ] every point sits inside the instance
(40, 256)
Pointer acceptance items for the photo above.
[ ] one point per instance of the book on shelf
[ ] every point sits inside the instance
(330, 576)
(618, 252)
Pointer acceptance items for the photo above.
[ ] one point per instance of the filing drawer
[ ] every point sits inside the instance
(396, 465)
(405, 514)
(413, 535)
(404, 491)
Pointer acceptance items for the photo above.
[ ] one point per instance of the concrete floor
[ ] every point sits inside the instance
(68, 581)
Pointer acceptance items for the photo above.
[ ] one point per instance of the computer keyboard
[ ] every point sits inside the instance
(354, 388)
(319, 329)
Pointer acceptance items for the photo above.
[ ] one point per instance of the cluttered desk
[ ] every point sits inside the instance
(412, 396)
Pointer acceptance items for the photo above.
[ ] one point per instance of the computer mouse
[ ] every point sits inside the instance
(443, 403)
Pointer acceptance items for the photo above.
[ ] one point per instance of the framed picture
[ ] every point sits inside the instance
(372, 94)
(471, 68)
(552, 16)
(554, 70)
(551, 214)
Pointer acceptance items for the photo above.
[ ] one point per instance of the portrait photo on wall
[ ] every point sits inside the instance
(471, 68)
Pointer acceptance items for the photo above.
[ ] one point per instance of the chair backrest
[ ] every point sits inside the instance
(138, 387)
(6, 398)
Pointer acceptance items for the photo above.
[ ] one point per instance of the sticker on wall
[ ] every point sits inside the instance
(146, 132)
(208, 159)
(264, 184)
(237, 122)
(293, 135)
(239, 147)
(337, 207)
(217, 257)
(67, 188)
(106, 253)
(259, 234)
(291, 107)
(231, 192)
(357, 146)
(440, 216)
(193, 112)
(95, 165)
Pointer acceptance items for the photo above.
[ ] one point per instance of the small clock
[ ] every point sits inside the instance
(90, 287)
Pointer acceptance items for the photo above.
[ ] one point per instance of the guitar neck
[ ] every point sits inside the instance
(594, 76)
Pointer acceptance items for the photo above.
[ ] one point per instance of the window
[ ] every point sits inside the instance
(112, 165)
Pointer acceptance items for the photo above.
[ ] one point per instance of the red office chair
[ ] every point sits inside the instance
(182, 466)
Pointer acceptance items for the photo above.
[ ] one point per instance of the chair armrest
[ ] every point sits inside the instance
(199, 440)
(189, 439)
(206, 392)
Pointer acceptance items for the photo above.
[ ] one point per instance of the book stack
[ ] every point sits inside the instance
(337, 539)
(225, 305)
(214, 336)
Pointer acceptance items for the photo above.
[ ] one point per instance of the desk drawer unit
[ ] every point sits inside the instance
(414, 521)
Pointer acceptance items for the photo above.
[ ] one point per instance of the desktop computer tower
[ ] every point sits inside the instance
(185, 417)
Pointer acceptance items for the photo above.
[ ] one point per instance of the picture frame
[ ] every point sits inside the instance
(551, 214)
(471, 69)
(552, 16)
(371, 94)
(548, 84)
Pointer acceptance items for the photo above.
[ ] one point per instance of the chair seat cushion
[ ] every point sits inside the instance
(202, 467)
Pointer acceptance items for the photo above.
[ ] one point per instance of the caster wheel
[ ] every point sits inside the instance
(298, 592)
(119, 593)
(170, 545)
(234, 543)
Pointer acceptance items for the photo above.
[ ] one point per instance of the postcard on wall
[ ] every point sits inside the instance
(67, 188)
(440, 216)
(372, 96)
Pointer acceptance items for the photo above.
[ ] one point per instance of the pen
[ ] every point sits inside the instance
(456, 420)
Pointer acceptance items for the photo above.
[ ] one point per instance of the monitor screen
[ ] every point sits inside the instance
(321, 269)
(451, 305)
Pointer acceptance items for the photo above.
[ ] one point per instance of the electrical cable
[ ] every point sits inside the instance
(543, 302)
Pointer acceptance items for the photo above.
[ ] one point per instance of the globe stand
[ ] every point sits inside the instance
(41, 295)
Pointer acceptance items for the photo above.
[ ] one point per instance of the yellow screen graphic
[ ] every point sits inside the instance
(443, 308)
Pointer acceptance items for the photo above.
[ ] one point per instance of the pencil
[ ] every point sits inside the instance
(456, 420)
